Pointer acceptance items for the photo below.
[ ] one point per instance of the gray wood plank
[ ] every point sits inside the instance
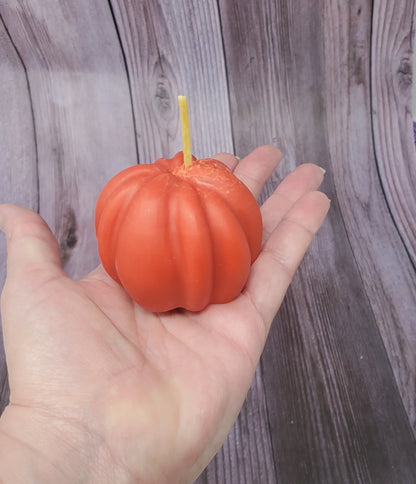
(167, 54)
(369, 199)
(82, 112)
(334, 409)
(391, 70)
(18, 159)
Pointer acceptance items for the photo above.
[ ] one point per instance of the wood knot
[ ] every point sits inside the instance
(405, 74)
(163, 97)
(164, 101)
(68, 235)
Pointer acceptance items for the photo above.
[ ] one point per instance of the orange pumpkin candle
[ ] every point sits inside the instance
(178, 235)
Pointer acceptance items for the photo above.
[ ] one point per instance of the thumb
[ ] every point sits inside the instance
(31, 246)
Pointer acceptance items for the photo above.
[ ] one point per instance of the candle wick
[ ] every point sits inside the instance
(186, 136)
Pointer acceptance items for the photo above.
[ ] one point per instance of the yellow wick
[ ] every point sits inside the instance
(186, 136)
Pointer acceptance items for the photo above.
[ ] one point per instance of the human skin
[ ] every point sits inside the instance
(102, 391)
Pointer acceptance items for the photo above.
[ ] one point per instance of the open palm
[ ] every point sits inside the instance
(103, 391)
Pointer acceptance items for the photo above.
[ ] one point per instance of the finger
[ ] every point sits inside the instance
(281, 255)
(255, 169)
(30, 243)
(303, 179)
(230, 160)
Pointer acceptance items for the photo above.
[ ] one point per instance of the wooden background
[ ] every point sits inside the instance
(89, 87)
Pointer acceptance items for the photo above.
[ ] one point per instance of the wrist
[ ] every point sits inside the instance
(40, 449)
(29, 451)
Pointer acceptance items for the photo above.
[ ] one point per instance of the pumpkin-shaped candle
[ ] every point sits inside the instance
(178, 235)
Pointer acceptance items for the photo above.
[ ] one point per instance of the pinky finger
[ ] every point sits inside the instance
(281, 255)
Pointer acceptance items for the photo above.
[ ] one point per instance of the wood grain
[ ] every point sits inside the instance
(365, 201)
(174, 48)
(82, 113)
(391, 72)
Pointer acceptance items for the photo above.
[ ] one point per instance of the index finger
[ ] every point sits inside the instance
(254, 169)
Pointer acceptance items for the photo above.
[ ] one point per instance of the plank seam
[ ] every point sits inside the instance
(412, 263)
(32, 112)
(373, 142)
(126, 68)
(224, 53)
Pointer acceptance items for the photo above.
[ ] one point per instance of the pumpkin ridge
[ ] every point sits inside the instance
(127, 263)
(124, 209)
(240, 214)
(213, 226)
(202, 201)
(172, 246)
(115, 184)
(102, 225)
(230, 206)
(204, 222)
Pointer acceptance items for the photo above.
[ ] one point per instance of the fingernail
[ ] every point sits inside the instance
(322, 169)
(237, 157)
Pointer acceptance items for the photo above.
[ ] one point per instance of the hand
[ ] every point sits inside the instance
(103, 391)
